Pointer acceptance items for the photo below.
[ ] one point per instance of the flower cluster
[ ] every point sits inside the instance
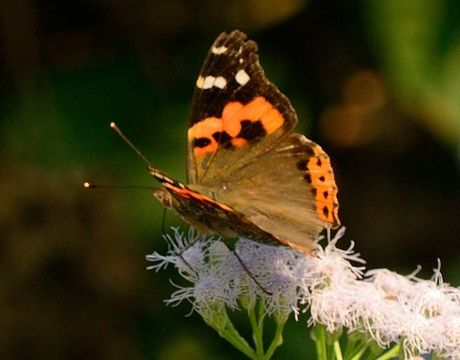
(419, 316)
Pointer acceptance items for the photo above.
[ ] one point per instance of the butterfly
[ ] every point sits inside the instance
(248, 174)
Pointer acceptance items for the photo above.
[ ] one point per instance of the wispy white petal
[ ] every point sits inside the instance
(422, 315)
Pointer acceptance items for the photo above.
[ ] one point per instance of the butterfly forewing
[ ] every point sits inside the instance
(236, 114)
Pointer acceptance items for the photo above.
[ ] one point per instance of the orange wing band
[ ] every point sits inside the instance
(259, 115)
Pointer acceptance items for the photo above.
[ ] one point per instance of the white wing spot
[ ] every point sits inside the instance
(208, 82)
(200, 82)
(220, 82)
(242, 77)
(218, 50)
(241, 60)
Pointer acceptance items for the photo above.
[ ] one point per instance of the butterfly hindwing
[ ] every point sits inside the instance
(289, 192)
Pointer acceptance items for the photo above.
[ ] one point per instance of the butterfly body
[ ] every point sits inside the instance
(248, 173)
(207, 215)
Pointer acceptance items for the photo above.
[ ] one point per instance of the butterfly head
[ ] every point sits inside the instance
(164, 197)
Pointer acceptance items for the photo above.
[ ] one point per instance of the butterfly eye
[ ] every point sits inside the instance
(163, 197)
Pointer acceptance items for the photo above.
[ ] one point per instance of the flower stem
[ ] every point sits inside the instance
(358, 355)
(337, 350)
(257, 328)
(355, 346)
(320, 341)
(229, 333)
(390, 353)
(277, 339)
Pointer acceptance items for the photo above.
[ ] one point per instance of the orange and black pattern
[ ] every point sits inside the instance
(230, 80)
(248, 173)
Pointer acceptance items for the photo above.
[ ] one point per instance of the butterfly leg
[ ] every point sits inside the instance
(180, 254)
(246, 269)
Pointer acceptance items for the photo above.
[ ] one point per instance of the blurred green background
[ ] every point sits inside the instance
(376, 83)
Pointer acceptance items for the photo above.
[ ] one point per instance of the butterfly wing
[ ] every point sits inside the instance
(242, 151)
(236, 113)
(289, 192)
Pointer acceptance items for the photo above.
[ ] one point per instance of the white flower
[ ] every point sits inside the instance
(336, 290)
(423, 316)
(284, 274)
(420, 313)
(199, 260)
(186, 253)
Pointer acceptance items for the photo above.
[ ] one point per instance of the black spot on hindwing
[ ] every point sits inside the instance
(302, 164)
(307, 149)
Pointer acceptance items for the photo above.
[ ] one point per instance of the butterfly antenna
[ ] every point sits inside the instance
(90, 185)
(130, 144)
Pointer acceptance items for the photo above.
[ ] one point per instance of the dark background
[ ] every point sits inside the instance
(376, 83)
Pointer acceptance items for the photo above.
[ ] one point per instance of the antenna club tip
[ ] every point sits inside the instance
(113, 125)
(86, 184)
